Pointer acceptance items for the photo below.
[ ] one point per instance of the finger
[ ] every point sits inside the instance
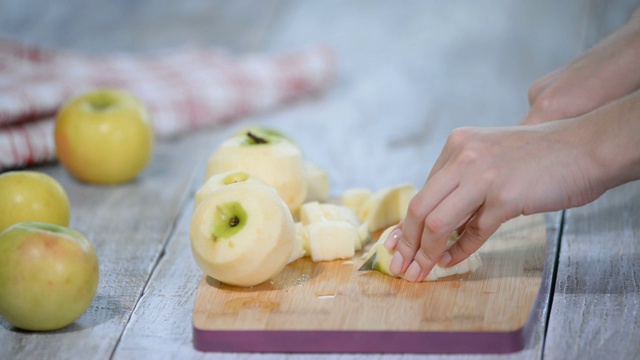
(457, 139)
(453, 211)
(394, 237)
(484, 224)
(420, 206)
(444, 157)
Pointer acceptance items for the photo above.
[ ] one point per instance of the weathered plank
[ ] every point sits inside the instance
(408, 75)
(596, 305)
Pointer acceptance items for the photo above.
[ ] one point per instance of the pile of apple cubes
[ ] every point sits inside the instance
(263, 206)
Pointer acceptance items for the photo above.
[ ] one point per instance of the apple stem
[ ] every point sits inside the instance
(256, 139)
(101, 103)
(234, 221)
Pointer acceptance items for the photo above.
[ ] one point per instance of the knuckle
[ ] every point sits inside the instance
(435, 225)
(534, 91)
(426, 258)
(407, 246)
(468, 156)
(545, 105)
(415, 209)
(459, 137)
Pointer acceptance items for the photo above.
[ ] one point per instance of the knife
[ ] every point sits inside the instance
(368, 265)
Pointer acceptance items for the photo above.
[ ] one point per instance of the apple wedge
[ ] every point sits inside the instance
(243, 234)
(274, 159)
(354, 198)
(382, 260)
(386, 206)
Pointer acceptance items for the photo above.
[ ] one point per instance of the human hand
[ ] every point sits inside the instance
(604, 73)
(485, 177)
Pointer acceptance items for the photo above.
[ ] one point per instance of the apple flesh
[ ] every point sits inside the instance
(48, 275)
(223, 179)
(243, 234)
(274, 159)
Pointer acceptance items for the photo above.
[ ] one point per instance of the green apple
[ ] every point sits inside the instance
(104, 137)
(274, 159)
(242, 234)
(32, 196)
(48, 275)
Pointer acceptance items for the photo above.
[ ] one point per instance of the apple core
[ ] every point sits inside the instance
(235, 177)
(228, 220)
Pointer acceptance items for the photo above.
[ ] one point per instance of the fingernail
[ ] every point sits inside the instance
(393, 239)
(413, 272)
(396, 263)
(445, 259)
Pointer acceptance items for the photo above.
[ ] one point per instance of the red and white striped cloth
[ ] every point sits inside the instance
(184, 90)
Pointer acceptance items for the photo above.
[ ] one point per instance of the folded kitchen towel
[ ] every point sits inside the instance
(183, 89)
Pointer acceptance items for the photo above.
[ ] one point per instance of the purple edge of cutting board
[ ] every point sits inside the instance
(330, 341)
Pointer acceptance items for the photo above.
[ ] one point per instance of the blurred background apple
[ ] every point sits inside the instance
(104, 137)
(32, 196)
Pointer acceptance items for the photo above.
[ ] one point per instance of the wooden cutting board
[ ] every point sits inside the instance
(331, 307)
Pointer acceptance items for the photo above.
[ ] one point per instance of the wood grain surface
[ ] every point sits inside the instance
(409, 73)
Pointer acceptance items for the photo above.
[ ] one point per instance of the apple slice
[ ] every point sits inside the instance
(382, 260)
(317, 183)
(243, 234)
(386, 207)
(274, 159)
(223, 179)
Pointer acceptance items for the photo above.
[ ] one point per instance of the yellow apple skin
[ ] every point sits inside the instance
(32, 196)
(104, 137)
(49, 275)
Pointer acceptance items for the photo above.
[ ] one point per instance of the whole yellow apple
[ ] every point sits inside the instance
(48, 275)
(104, 137)
(32, 196)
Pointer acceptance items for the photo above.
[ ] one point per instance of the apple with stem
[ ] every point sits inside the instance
(104, 137)
(48, 275)
(271, 157)
(32, 196)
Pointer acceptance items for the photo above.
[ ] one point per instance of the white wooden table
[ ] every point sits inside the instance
(409, 73)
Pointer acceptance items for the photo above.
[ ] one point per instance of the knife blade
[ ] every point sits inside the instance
(368, 265)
